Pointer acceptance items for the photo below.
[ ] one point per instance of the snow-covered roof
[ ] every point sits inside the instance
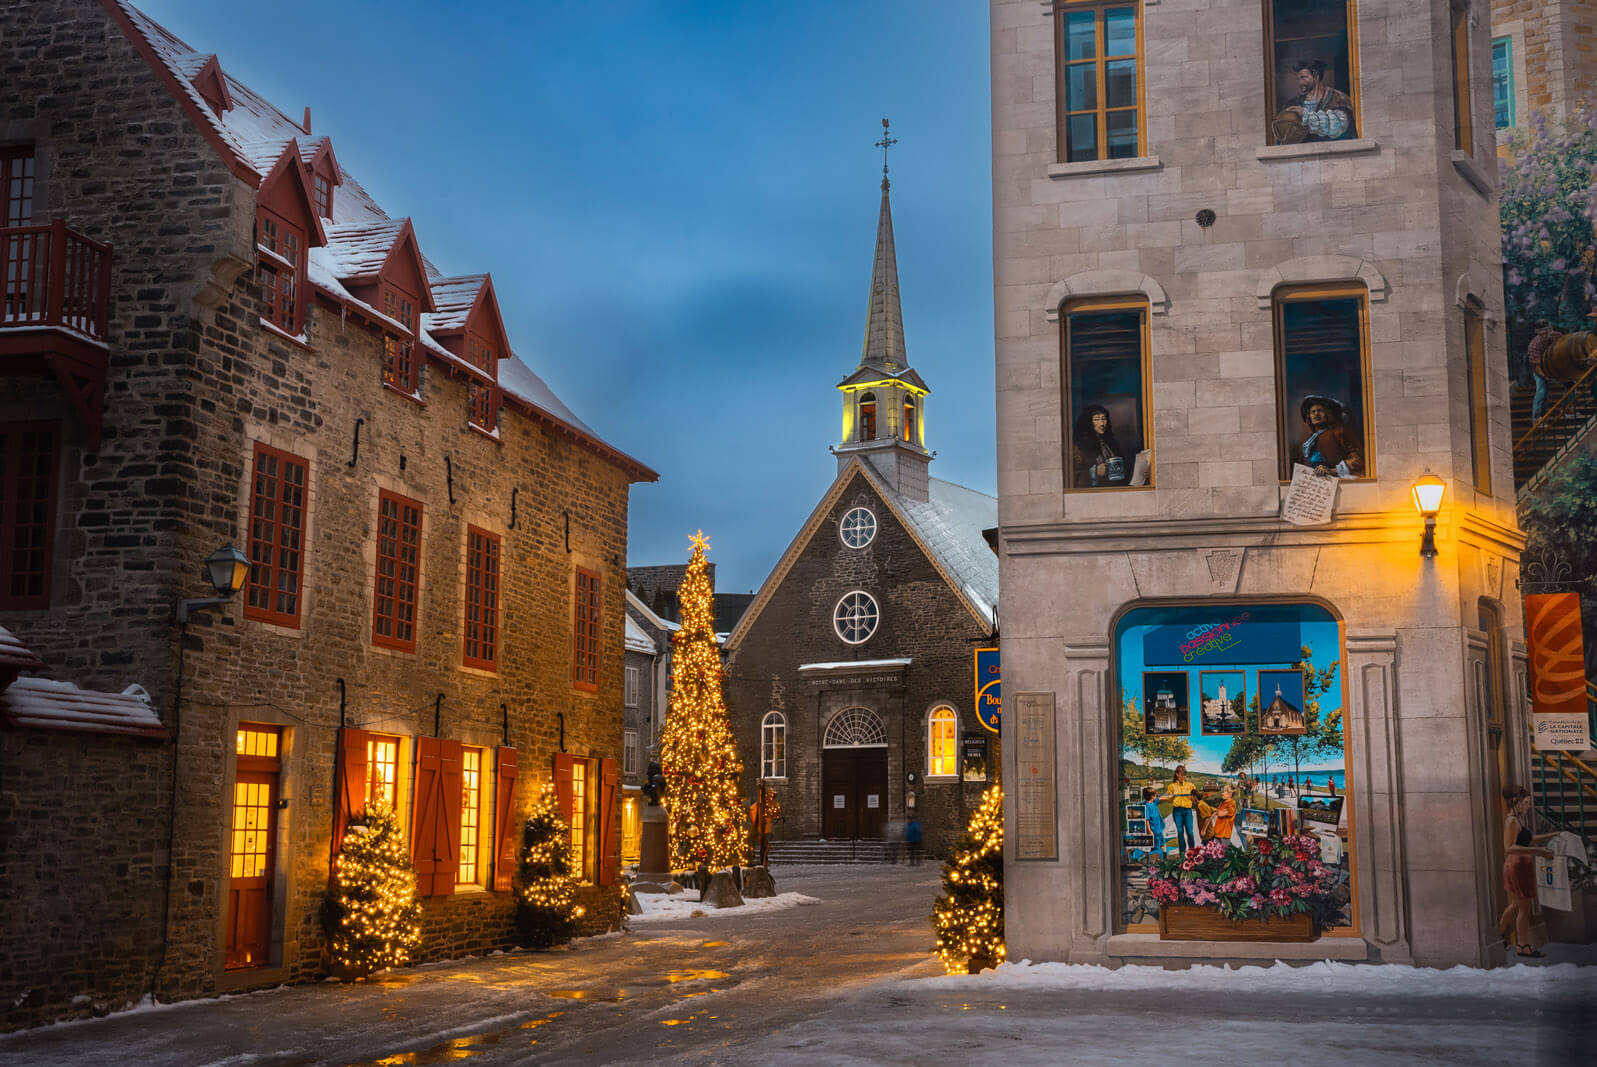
(857, 664)
(45, 704)
(950, 524)
(257, 134)
(15, 655)
(648, 614)
(638, 640)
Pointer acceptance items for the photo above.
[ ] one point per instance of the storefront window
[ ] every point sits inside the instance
(1248, 698)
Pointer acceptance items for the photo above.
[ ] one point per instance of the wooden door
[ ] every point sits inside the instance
(251, 847)
(870, 786)
(854, 793)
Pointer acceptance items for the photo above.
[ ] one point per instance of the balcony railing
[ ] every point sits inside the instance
(54, 278)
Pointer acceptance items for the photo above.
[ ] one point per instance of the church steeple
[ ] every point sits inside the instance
(884, 399)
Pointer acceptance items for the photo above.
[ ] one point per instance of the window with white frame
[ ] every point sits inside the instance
(855, 617)
(629, 752)
(632, 687)
(858, 527)
(942, 743)
(773, 746)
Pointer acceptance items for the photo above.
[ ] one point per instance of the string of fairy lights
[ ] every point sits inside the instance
(377, 920)
(546, 897)
(698, 754)
(969, 916)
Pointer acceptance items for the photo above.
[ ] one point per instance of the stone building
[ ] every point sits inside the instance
(1544, 58)
(213, 335)
(1237, 244)
(850, 677)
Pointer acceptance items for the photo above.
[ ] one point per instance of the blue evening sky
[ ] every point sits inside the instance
(678, 204)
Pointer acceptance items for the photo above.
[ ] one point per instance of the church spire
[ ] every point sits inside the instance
(884, 318)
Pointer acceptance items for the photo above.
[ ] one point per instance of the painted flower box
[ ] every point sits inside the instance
(1189, 922)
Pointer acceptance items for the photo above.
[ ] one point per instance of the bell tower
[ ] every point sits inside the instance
(884, 399)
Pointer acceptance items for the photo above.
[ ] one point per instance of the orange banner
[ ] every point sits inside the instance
(1557, 653)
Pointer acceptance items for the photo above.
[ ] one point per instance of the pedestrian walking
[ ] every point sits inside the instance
(912, 839)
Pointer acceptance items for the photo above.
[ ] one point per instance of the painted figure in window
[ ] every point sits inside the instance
(1318, 112)
(1329, 445)
(1100, 461)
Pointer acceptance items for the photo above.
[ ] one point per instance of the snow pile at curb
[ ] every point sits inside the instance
(1323, 977)
(658, 907)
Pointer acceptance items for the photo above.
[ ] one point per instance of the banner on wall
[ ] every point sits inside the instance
(1557, 672)
(989, 698)
(1227, 639)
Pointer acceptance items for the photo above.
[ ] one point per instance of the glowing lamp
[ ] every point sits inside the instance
(227, 569)
(1428, 492)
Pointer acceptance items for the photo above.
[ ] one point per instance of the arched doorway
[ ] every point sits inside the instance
(854, 775)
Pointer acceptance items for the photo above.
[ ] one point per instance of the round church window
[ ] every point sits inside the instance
(858, 527)
(855, 617)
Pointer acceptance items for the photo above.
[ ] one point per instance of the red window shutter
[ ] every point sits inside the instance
(351, 781)
(424, 829)
(609, 822)
(563, 798)
(446, 843)
(506, 824)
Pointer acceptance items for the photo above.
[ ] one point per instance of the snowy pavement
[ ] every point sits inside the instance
(847, 979)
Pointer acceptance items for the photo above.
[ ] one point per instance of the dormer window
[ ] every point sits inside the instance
(483, 401)
(281, 250)
(322, 191)
(909, 419)
(867, 417)
(399, 361)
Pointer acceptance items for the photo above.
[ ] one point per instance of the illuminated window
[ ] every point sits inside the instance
(579, 820)
(1322, 401)
(858, 527)
(942, 743)
(631, 829)
(399, 364)
(29, 457)
(277, 536)
(1104, 352)
(909, 419)
(1463, 138)
(855, 617)
(470, 814)
(1479, 435)
(398, 572)
(482, 600)
(251, 845)
(585, 632)
(867, 417)
(1503, 82)
(1311, 70)
(281, 248)
(382, 771)
(1098, 51)
(773, 745)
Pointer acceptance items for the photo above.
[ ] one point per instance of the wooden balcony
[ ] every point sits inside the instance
(55, 299)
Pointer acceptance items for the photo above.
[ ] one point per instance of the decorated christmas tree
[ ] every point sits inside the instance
(704, 810)
(969, 916)
(546, 906)
(372, 917)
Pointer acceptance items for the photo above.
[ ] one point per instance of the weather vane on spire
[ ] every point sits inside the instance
(887, 141)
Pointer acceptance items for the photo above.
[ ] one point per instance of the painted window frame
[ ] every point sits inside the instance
(482, 397)
(379, 787)
(942, 728)
(1288, 294)
(631, 759)
(1095, 306)
(45, 505)
(587, 604)
(845, 530)
(480, 623)
(266, 554)
(634, 678)
(1099, 61)
(322, 194)
(773, 746)
(19, 176)
(1355, 97)
(280, 244)
(405, 593)
(1458, 42)
(1504, 103)
(401, 368)
(1480, 440)
(854, 617)
(470, 871)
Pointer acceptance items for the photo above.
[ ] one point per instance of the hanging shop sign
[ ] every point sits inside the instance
(1557, 672)
(989, 702)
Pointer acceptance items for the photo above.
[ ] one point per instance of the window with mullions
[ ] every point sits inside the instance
(1097, 52)
(469, 872)
(1503, 82)
(398, 572)
(1322, 380)
(773, 745)
(1311, 70)
(16, 186)
(281, 262)
(481, 648)
(1105, 379)
(942, 743)
(277, 536)
(399, 363)
(30, 456)
(382, 771)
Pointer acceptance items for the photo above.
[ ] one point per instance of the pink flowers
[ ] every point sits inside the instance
(1280, 896)
(1271, 877)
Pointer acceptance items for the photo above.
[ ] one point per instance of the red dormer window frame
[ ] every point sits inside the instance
(282, 248)
(483, 397)
(322, 193)
(401, 368)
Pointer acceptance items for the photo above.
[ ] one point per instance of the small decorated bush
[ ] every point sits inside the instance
(546, 907)
(969, 915)
(371, 915)
(1272, 878)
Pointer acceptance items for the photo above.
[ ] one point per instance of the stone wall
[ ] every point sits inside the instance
(1554, 49)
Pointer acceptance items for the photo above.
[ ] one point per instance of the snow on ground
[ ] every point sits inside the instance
(660, 907)
(1322, 977)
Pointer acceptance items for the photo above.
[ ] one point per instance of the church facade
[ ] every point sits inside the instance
(849, 678)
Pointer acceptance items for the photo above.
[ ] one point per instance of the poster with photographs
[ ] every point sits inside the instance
(1281, 703)
(1166, 708)
(1320, 813)
(1222, 702)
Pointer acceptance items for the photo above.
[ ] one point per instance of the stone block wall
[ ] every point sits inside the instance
(1554, 49)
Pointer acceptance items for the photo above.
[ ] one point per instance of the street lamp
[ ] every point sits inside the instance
(227, 569)
(1428, 492)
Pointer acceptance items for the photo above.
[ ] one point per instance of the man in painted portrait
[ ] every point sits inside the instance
(1318, 112)
(1330, 446)
(1100, 460)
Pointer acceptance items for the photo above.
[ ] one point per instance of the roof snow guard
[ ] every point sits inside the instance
(43, 704)
(15, 656)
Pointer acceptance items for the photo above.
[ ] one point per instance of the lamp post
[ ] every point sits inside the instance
(227, 569)
(1428, 492)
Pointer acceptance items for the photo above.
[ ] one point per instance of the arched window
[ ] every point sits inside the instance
(942, 743)
(855, 728)
(867, 417)
(909, 419)
(773, 745)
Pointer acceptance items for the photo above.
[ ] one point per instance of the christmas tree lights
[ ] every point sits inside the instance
(372, 917)
(546, 907)
(704, 809)
(969, 916)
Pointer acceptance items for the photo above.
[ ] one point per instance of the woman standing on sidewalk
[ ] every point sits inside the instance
(1519, 870)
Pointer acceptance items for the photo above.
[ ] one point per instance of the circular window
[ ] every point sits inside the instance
(858, 527)
(855, 617)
